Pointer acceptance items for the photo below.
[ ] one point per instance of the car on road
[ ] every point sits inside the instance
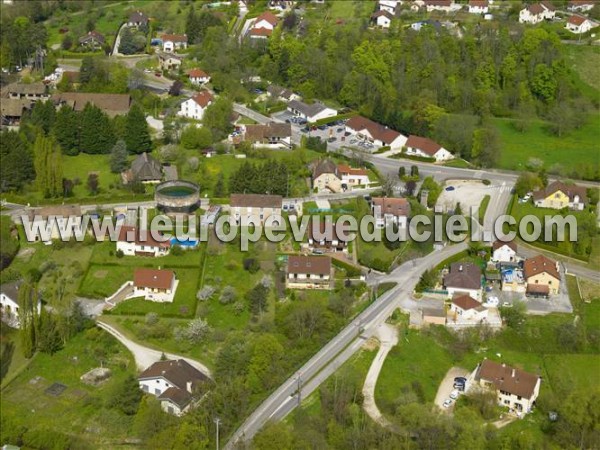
(332, 139)
(317, 251)
(147, 71)
(454, 394)
(492, 301)
(322, 127)
(448, 402)
(339, 130)
(450, 188)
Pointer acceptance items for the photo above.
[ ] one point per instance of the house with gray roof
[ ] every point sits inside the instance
(144, 169)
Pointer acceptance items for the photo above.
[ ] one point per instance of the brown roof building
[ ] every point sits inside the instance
(374, 130)
(112, 104)
(499, 244)
(256, 201)
(424, 144)
(153, 279)
(540, 264)
(203, 98)
(270, 134)
(464, 277)
(312, 265)
(509, 381)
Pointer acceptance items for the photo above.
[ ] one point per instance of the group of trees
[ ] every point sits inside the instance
(270, 177)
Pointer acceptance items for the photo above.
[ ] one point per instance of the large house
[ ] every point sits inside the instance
(322, 236)
(194, 107)
(309, 272)
(463, 278)
(389, 5)
(134, 242)
(375, 133)
(504, 252)
(155, 285)
(138, 19)
(169, 61)
(27, 91)
(382, 18)
(256, 208)
(326, 177)
(12, 110)
(440, 5)
(579, 24)
(389, 211)
(426, 148)
(144, 169)
(558, 195)
(537, 12)
(176, 384)
(581, 5)
(542, 276)
(271, 135)
(9, 304)
(311, 113)
(263, 26)
(198, 77)
(465, 308)
(65, 221)
(281, 93)
(111, 104)
(92, 40)
(515, 388)
(478, 6)
(353, 177)
(173, 42)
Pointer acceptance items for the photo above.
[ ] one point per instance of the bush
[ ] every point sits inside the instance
(486, 182)
(205, 293)
(151, 318)
(176, 250)
(119, 253)
(228, 295)
(251, 265)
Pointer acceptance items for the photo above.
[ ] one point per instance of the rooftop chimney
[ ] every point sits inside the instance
(460, 268)
(513, 373)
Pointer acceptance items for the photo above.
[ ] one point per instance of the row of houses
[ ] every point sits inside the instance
(535, 13)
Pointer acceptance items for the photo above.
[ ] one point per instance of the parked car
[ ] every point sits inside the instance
(332, 139)
(454, 394)
(448, 402)
(322, 127)
(507, 305)
(317, 251)
(492, 301)
(339, 130)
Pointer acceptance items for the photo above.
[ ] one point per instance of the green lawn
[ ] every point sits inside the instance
(585, 60)
(190, 258)
(574, 151)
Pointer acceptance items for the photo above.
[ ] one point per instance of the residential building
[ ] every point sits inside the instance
(194, 107)
(27, 91)
(323, 236)
(379, 135)
(309, 272)
(434, 316)
(111, 104)
(515, 388)
(426, 148)
(144, 169)
(537, 12)
(440, 5)
(198, 77)
(352, 177)
(92, 40)
(466, 308)
(542, 275)
(65, 221)
(138, 19)
(382, 18)
(12, 109)
(169, 61)
(463, 278)
(255, 208)
(9, 304)
(281, 93)
(155, 285)
(326, 177)
(389, 6)
(558, 195)
(176, 384)
(271, 135)
(579, 24)
(504, 251)
(581, 5)
(478, 6)
(174, 42)
(389, 211)
(266, 20)
(135, 242)
(311, 113)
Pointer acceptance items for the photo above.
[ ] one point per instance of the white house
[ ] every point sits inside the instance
(504, 251)
(516, 389)
(271, 135)
(389, 5)
(56, 222)
(9, 304)
(198, 77)
(379, 135)
(254, 207)
(137, 19)
(172, 42)
(537, 12)
(441, 5)
(463, 278)
(465, 308)
(311, 113)
(581, 5)
(266, 20)
(579, 24)
(382, 18)
(478, 6)
(155, 285)
(390, 211)
(309, 272)
(424, 147)
(134, 242)
(351, 176)
(194, 107)
(176, 383)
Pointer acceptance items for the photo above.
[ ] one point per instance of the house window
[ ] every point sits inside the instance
(157, 391)
(507, 402)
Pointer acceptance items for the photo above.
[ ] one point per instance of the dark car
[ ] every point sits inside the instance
(332, 139)
(322, 127)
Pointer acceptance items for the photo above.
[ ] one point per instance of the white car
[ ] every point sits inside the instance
(448, 402)
(454, 394)
(492, 301)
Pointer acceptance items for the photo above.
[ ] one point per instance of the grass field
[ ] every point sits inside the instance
(585, 60)
(577, 149)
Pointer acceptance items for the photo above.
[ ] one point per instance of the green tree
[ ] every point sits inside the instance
(48, 336)
(527, 182)
(486, 147)
(194, 137)
(118, 157)
(137, 134)
(66, 130)
(217, 118)
(28, 318)
(274, 436)
(126, 396)
(97, 134)
(48, 166)
(16, 158)
(43, 115)
(258, 299)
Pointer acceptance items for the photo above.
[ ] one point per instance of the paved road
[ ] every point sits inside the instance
(341, 347)
(145, 356)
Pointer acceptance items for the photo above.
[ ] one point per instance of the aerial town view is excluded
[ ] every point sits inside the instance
(309, 224)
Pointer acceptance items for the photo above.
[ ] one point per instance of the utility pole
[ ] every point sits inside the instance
(217, 422)
(299, 387)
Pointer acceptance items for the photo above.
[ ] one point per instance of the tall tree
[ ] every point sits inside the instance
(66, 130)
(118, 157)
(137, 134)
(217, 117)
(48, 166)
(16, 167)
(43, 115)
(97, 134)
(28, 316)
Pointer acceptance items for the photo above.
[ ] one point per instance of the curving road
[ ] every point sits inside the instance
(145, 356)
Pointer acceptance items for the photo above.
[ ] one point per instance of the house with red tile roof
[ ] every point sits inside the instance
(578, 24)
(426, 148)
(379, 135)
(194, 107)
(198, 76)
(390, 211)
(135, 242)
(263, 26)
(154, 284)
(478, 6)
(172, 42)
(467, 308)
(537, 12)
(581, 5)
(542, 276)
(309, 272)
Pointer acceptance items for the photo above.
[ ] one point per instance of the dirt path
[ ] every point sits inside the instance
(447, 386)
(388, 336)
(145, 356)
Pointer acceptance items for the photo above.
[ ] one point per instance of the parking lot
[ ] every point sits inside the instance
(334, 134)
(447, 386)
(469, 193)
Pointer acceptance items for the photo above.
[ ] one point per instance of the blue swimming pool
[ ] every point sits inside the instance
(184, 242)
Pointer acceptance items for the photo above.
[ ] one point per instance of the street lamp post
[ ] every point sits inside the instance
(217, 422)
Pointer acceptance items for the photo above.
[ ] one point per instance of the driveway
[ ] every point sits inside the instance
(447, 386)
(468, 193)
(144, 356)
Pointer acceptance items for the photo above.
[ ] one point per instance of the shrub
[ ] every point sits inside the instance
(119, 253)
(205, 293)
(228, 295)
(176, 250)
(251, 265)
(151, 318)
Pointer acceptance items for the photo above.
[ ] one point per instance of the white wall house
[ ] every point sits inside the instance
(155, 285)
(257, 208)
(377, 134)
(198, 77)
(504, 251)
(581, 5)
(478, 7)
(441, 5)
(389, 5)
(194, 108)
(173, 42)
(56, 222)
(311, 113)
(351, 176)
(536, 13)
(382, 18)
(465, 308)
(9, 304)
(424, 147)
(463, 278)
(309, 272)
(389, 211)
(133, 242)
(579, 24)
